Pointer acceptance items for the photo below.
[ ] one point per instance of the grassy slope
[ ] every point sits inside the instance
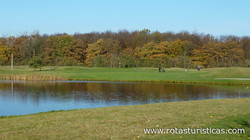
(128, 122)
(139, 74)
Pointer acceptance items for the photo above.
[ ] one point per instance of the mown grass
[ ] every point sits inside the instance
(211, 75)
(128, 122)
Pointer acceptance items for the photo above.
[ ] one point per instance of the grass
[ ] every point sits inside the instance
(128, 122)
(210, 76)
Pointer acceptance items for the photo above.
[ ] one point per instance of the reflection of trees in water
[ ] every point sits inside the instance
(122, 92)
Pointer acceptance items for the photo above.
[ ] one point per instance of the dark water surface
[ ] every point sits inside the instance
(18, 98)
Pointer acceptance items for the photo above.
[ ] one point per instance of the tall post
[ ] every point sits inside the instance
(10, 43)
(12, 61)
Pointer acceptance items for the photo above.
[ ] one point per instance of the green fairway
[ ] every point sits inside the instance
(129, 122)
(230, 75)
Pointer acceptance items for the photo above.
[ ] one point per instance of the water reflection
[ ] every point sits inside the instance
(18, 98)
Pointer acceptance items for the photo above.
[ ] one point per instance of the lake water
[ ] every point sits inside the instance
(19, 98)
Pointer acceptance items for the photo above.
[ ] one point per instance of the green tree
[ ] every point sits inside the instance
(100, 61)
(36, 62)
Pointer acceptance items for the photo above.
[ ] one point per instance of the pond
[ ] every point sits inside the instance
(19, 98)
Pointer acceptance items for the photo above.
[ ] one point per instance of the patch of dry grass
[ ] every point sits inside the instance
(33, 77)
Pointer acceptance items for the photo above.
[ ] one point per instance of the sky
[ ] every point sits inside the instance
(216, 17)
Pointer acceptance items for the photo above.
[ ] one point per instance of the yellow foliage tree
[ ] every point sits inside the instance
(94, 50)
(5, 53)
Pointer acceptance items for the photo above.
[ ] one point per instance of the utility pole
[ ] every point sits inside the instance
(12, 60)
(10, 43)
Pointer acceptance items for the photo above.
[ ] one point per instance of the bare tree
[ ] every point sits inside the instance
(32, 42)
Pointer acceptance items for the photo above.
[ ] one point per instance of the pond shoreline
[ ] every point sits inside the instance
(120, 120)
(42, 96)
(58, 79)
(52, 111)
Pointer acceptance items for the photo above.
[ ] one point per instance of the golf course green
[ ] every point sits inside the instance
(225, 75)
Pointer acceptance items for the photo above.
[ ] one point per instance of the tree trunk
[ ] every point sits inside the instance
(34, 52)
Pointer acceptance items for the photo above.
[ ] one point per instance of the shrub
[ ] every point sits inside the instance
(36, 62)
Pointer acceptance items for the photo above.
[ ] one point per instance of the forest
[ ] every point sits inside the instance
(126, 49)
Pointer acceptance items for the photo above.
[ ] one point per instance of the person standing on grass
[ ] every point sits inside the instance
(198, 68)
(160, 69)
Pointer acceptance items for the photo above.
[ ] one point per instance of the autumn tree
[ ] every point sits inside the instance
(178, 52)
(127, 58)
(5, 54)
(22, 53)
(245, 42)
(157, 37)
(63, 50)
(128, 49)
(96, 53)
(103, 53)
(152, 54)
(214, 54)
(234, 53)
(113, 49)
(141, 37)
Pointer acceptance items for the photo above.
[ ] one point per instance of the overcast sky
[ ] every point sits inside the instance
(216, 17)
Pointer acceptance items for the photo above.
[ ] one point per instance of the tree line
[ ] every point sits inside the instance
(126, 49)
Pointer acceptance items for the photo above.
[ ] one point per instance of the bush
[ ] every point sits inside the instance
(127, 62)
(36, 62)
(100, 61)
